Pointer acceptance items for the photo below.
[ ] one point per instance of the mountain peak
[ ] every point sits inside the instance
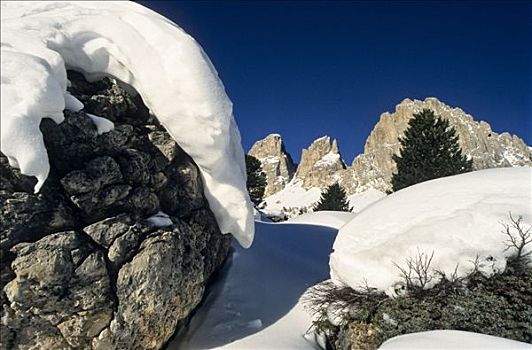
(276, 162)
(318, 162)
(488, 149)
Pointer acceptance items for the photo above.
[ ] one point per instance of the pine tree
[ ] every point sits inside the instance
(429, 150)
(256, 181)
(334, 198)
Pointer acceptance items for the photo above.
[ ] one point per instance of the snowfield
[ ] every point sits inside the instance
(335, 219)
(144, 51)
(448, 339)
(255, 304)
(293, 197)
(256, 301)
(457, 217)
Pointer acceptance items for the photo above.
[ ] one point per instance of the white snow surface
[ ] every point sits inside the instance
(328, 159)
(256, 303)
(102, 125)
(335, 219)
(161, 219)
(294, 197)
(361, 200)
(141, 49)
(457, 217)
(450, 339)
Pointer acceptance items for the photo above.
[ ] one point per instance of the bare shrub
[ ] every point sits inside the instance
(517, 238)
(334, 307)
(417, 274)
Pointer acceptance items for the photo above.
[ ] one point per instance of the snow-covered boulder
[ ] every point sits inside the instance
(144, 51)
(451, 339)
(458, 218)
(117, 247)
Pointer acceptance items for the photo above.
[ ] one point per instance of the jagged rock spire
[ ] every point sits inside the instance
(277, 164)
(319, 162)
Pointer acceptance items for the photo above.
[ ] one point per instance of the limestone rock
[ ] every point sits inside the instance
(319, 164)
(276, 163)
(82, 267)
(374, 168)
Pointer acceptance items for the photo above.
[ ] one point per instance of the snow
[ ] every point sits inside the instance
(294, 197)
(142, 50)
(102, 125)
(328, 159)
(335, 219)
(161, 219)
(290, 199)
(260, 216)
(256, 302)
(450, 339)
(458, 218)
(361, 200)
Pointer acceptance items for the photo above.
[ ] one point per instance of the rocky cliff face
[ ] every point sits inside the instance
(374, 168)
(276, 163)
(85, 264)
(319, 163)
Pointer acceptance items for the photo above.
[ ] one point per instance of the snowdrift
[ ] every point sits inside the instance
(142, 50)
(334, 219)
(449, 339)
(256, 302)
(458, 218)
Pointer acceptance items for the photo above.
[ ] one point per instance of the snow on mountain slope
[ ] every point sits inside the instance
(142, 50)
(256, 303)
(335, 219)
(457, 217)
(294, 197)
(450, 339)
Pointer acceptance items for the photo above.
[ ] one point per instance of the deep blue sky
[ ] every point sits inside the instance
(305, 69)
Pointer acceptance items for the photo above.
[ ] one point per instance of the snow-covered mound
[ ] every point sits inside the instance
(457, 217)
(142, 50)
(449, 339)
(361, 200)
(256, 304)
(335, 219)
(294, 197)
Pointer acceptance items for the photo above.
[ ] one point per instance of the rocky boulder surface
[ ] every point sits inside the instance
(319, 164)
(117, 247)
(276, 163)
(487, 149)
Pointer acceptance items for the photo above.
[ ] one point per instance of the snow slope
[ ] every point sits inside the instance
(255, 304)
(335, 219)
(294, 197)
(142, 50)
(447, 339)
(457, 218)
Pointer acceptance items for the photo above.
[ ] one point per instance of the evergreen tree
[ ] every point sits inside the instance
(334, 198)
(256, 181)
(429, 150)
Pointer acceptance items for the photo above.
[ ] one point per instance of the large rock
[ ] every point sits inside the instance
(374, 168)
(83, 265)
(276, 163)
(319, 164)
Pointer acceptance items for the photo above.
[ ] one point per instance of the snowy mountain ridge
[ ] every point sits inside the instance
(321, 163)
